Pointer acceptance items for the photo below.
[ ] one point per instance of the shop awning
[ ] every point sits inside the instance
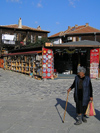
(84, 43)
(24, 53)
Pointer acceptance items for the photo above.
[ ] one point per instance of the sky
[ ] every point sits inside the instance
(50, 15)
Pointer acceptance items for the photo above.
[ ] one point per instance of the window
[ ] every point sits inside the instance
(39, 37)
(79, 39)
(32, 39)
(15, 38)
(74, 39)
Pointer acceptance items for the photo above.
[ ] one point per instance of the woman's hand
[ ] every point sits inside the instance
(91, 98)
(68, 90)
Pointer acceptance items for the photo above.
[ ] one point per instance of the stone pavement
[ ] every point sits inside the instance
(36, 106)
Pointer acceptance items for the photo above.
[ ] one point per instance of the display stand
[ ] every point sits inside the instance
(26, 64)
(47, 63)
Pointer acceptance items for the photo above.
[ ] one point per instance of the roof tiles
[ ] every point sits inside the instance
(23, 27)
(77, 30)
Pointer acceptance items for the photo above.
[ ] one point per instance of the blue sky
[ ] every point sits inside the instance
(51, 15)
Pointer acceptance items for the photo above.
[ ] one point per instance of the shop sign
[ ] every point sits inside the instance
(48, 44)
(94, 63)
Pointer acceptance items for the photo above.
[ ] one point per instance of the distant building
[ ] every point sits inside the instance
(18, 34)
(76, 33)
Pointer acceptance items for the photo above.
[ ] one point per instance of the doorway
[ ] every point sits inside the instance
(67, 63)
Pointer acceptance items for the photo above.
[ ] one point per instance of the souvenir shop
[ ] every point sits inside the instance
(68, 56)
(38, 63)
(48, 61)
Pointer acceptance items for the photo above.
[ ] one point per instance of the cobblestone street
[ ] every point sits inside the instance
(28, 105)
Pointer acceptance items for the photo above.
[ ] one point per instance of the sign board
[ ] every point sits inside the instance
(47, 63)
(94, 63)
(48, 44)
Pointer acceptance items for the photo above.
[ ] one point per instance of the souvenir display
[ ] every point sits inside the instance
(49, 56)
(25, 64)
(44, 56)
(49, 51)
(44, 74)
(44, 69)
(44, 65)
(48, 65)
(48, 70)
(48, 74)
(94, 63)
(44, 51)
(44, 61)
(49, 61)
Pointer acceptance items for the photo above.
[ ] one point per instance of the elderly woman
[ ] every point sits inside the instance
(83, 93)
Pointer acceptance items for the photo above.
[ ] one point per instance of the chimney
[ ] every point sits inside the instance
(87, 24)
(76, 25)
(69, 27)
(20, 23)
(39, 28)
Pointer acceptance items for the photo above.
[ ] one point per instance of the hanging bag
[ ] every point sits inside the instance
(90, 109)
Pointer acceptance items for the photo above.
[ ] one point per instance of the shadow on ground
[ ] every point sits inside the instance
(71, 110)
(97, 114)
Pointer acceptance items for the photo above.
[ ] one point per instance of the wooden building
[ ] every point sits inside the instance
(76, 33)
(16, 35)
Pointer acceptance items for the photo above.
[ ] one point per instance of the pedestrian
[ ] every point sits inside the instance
(83, 93)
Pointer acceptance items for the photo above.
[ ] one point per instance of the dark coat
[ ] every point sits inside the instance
(86, 90)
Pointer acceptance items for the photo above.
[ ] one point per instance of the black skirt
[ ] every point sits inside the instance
(80, 109)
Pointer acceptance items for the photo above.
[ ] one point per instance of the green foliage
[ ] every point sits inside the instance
(39, 42)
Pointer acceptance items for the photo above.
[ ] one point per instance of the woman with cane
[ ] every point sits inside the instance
(83, 93)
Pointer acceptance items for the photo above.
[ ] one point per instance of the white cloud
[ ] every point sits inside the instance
(57, 23)
(18, 1)
(39, 4)
(73, 2)
(36, 22)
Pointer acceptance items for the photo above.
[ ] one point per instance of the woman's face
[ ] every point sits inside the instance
(81, 74)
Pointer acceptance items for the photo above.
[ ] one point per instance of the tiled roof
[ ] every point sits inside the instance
(81, 29)
(77, 30)
(23, 27)
(57, 34)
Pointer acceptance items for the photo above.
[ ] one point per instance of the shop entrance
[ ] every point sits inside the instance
(66, 61)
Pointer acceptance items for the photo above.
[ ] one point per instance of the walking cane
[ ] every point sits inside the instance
(65, 108)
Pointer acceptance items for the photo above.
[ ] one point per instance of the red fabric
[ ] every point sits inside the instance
(55, 70)
(24, 53)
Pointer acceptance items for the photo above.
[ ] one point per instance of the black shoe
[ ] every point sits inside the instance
(78, 122)
(84, 119)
